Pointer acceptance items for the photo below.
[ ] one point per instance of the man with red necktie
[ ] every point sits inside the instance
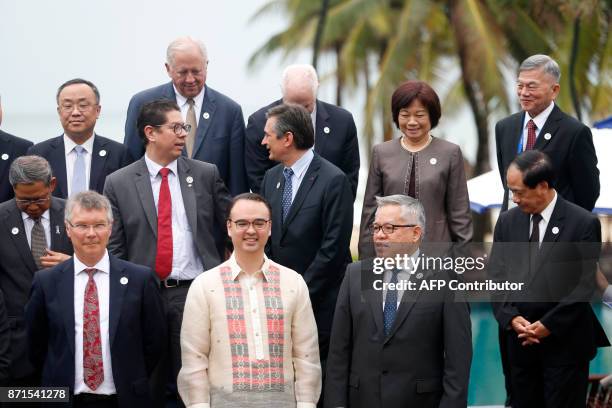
(95, 322)
(170, 216)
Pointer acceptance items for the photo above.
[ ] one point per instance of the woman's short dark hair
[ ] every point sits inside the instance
(535, 167)
(154, 114)
(411, 90)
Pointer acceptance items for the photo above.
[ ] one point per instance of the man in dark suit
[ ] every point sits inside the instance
(5, 343)
(393, 347)
(543, 126)
(217, 124)
(33, 237)
(169, 214)
(551, 332)
(80, 159)
(335, 131)
(96, 323)
(312, 211)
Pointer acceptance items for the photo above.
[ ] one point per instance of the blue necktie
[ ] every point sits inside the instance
(287, 192)
(390, 309)
(78, 173)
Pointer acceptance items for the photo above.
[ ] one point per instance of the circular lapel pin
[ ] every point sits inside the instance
(102, 153)
(123, 280)
(206, 115)
(278, 185)
(189, 179)
(419, 275)
(5, 156)
(433, 161)
(555, 230)
(15, 231)
(547, 136)
(326, 130)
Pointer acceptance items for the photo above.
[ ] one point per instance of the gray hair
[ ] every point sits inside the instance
(29, 170)
(88, 200)
(295, 119)
(411, 207)
(302, 73)
(184, 44)
(543, 62)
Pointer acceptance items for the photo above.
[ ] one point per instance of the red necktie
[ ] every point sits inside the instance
(531, 136)
(163, 259)
(93, 368)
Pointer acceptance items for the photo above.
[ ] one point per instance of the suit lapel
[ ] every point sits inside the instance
(117, 292)
(309, 179)
(145, 192)
(550, 126)
(207, 113)
(13, 222)
(188, 193)
(97, 162)
(405, 307)
(373, 297)
(322, 123)
(65, 290)
(6, 148)
(554, 224)
(58, 229)
(57, 159)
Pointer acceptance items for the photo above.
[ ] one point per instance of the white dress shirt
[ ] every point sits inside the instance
(546, 214)
(71, 158)
(299, 170)
(101, 277)
(403, 275)
(28, 224)
(186, 262)
(198, 100)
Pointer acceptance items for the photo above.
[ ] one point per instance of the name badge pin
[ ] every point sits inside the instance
(433, 161)
(123, 280)
(278, 185)
(5, 156)
(206, 115)
(57, 231)
(419, 275)
(15, 231)
(547, 136)
(555, 230)
(326, 130)
(189, 179)
(102, 153)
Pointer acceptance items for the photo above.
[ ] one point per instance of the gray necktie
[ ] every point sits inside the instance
(78, 173)
(38, 241)
(287, 191)
(191, 120)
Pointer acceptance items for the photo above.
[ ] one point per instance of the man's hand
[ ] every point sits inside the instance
(52, 258)
(522, 327)
(539, 332)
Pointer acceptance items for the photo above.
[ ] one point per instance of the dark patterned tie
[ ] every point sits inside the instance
(93, 368)
(390, 309)
(287, 192)
(38, 242)
(531, 136)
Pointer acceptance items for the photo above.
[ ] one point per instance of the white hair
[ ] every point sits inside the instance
(184, 44)
(543, 62)
(300, 73)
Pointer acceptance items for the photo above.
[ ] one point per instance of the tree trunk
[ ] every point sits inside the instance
(316, 47)
(572, 68)
(339, 75)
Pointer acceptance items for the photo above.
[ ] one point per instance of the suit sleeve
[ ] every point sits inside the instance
(337, 223)
(5, 339)
(457, 201)
(132, 140)
(37, 323)
(350, 163)
(498, 149)
(584, 171)
(154, 327)
(340, 349)
(255, 155)
(237, 182)
(117, 244)
(374, 187)
(457, 352)
(193, 383)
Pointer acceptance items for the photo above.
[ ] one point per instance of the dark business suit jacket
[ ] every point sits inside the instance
(5, 343)
(559, 283)
(314, 239)
(137, 329)
(107, 157)
(11, 147)
(17, 269)
(134, 236)
(424, 361)
(570, 149)
(339, 144)
(219, 139)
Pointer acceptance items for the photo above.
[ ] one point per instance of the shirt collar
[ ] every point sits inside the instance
(540, 118)
(198, 99)
(103, 264)
(69, 144)
(235, 268)
(154, 168)
(44, 215)
(547, 212)
(300, 166)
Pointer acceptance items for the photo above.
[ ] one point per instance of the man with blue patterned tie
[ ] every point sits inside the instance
(398, 345)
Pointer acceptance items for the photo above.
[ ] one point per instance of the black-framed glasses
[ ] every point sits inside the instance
(37, 201)
(388, 228)
(258, 224)
(176, 127)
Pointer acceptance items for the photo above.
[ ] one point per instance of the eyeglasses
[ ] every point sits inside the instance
(258, 224)
(27, 203)
(83, 228)
(81, 107)
(388, 228)
(176, 127)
